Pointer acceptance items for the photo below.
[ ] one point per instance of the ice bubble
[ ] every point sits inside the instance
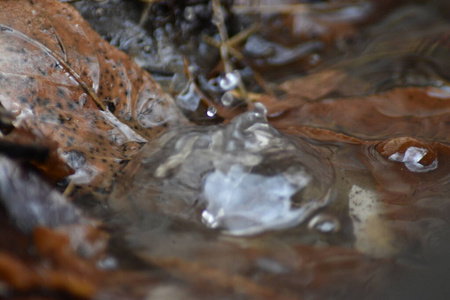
(412, 158)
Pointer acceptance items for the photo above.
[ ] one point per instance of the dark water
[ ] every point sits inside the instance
(337, 190)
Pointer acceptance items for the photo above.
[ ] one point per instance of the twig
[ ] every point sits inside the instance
(220, 24)
(217, 44)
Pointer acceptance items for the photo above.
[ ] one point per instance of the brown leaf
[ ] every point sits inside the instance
(40, 151)
(59, 76)
(41, 275)
(415, 112)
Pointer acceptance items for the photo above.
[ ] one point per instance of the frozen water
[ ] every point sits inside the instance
(412, 157)
(246, 203)
(247, 176)
(373, 236)
(188, 98)
(85, 172)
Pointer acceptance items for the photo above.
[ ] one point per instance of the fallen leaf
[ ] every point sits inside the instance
(59, 76)
(414, 112)
(40, 151)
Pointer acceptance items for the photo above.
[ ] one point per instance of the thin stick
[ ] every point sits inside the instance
(220, 24)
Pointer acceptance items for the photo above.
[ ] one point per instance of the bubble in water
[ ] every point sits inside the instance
(227, 99)
(211, 111)
(324, 223)
(230, 81)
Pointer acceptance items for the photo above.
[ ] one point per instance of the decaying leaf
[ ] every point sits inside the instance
(59, 76)
(41, 152)
(416, 112)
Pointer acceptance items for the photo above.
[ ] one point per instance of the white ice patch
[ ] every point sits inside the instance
(412, 158)
(243, 203)
(188, 98)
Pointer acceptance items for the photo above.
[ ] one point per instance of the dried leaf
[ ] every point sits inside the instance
(59, 76)
(41, 152)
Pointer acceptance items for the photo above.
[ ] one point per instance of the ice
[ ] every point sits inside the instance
(85, 172)
(246, 203)
(188, 98)
(31, 202)
(244, 177)
(189, 13)
(412, 158)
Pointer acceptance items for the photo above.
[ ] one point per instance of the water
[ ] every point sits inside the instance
(242, 178)
(227, 99)
(342, 194)
(324, 223)
(211, 111)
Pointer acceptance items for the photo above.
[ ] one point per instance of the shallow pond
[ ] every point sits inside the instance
(335, 189)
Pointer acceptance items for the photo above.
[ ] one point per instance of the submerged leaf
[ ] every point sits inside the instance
(417, 112)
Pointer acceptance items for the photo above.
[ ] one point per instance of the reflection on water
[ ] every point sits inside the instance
(343, 195)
